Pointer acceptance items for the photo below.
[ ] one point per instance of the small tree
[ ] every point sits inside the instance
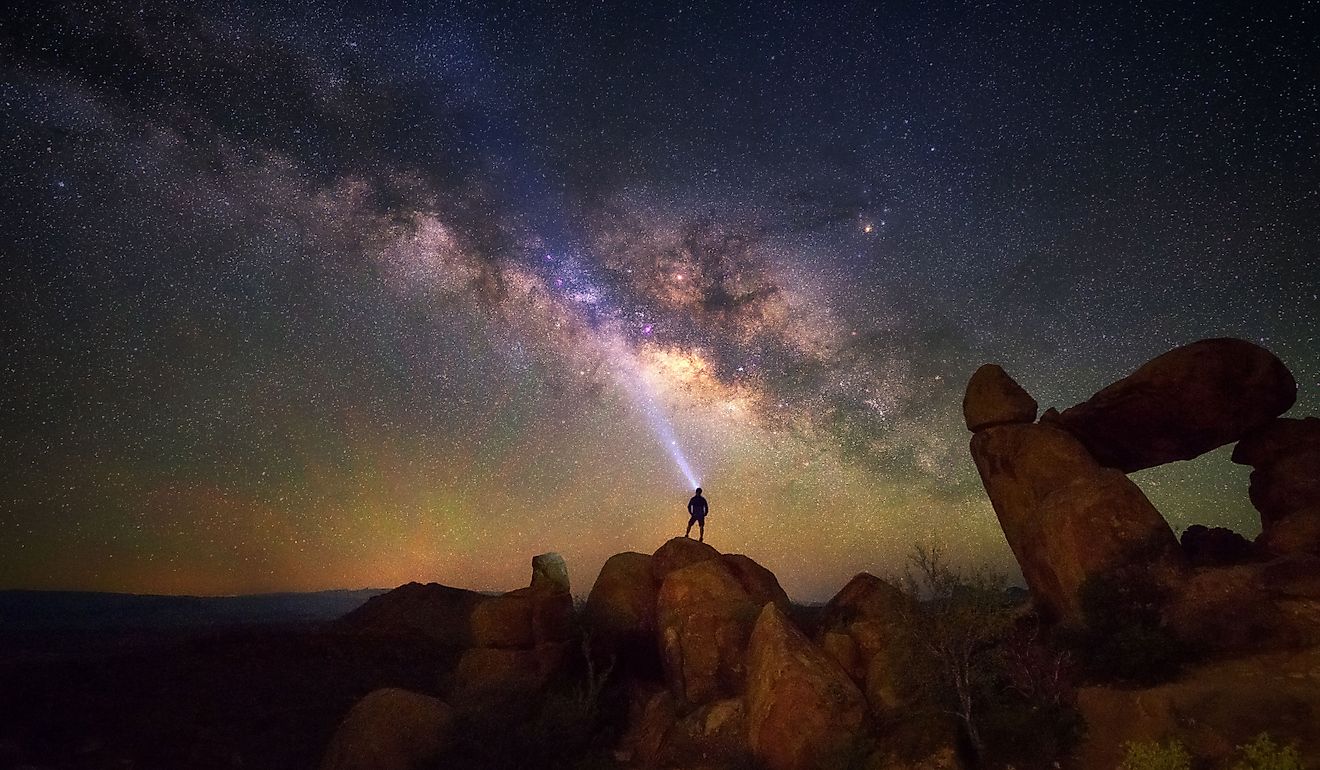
(956, 618)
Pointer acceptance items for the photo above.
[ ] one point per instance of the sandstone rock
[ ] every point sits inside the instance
(1249, 607)
(677, 553)
(550, 573)
(713, 735)
(703, 619)
(1067, 518)
(1212, 710)
(390, 729)
(495, 672)
(993, 398)
(1214, 546)
(620, 614)
(503, 621)
(865, 597)
(867, 613)
(759, 583)
(802, 709)
(1285, 483)
(433, 611)
(1182, 404)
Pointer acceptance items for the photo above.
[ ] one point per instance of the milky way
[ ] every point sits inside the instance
(301, 296)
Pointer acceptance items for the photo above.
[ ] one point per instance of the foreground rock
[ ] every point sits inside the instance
(1214, 546)
(1285, 483)
(859, 628)
(620, 612)
(993, 398)
(1212, 710)
(803, 711)
(1067, 518)
(390, 729)
(521, 638)
(1182, 404)
(704, 617)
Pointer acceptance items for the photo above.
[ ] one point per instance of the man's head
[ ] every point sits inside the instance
(698, 491)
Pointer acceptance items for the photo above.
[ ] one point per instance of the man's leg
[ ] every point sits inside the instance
(691, 521)
(701, 523)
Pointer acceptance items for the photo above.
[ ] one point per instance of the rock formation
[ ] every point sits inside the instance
(1182, 404)
(390, 729)
(1066, 517)
(858, 628)
(993, 398)
(1285, 483)
(703, 620)
(803, 711)
(1215, 546)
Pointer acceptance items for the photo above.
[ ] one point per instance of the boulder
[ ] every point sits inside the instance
(503, 621)
(1285, 483)
(1250, 607)
(993, 398)
(1065, 517)
(1212, 710)
(677, 553)
(1214, 546)
(1182, 404)
(759, 582)
(859, 628)
(550, 573)
(496, 672)
(710, 736)
(803, 711)
(620, 614)
(703, 619)
(432, 611)
(390, 729)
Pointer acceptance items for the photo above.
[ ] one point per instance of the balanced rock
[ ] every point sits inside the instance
(993, 398)
(703, 619)
(1285, 483)
(390, 729)
(802, 709)
(1182, 404)
(1214, 546)
(1066, 517)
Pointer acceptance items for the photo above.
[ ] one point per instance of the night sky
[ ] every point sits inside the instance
(315, 295)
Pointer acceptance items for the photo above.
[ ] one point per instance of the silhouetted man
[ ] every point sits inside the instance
(697, 511)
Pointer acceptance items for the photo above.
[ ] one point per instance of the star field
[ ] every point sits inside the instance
(301, 296)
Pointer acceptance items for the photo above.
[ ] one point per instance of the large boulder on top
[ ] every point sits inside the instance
(1182, 404)
(677, 553)
(1285, 483)
(993, 398)
(703, 619)
(390, 729)
(802, 709)
(1065, 516)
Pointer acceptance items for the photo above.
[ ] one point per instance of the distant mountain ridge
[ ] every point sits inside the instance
(24, 610)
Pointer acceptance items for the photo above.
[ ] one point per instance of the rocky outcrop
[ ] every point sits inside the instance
(1285, 483)
(1182, 404)
(859, 628)
(1212, 710)
(390, 729)
(521, 638)
(993, 398)
(1215, 546)
(703, 619)
(803, 711)
(1066, 517)
(431, 611)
